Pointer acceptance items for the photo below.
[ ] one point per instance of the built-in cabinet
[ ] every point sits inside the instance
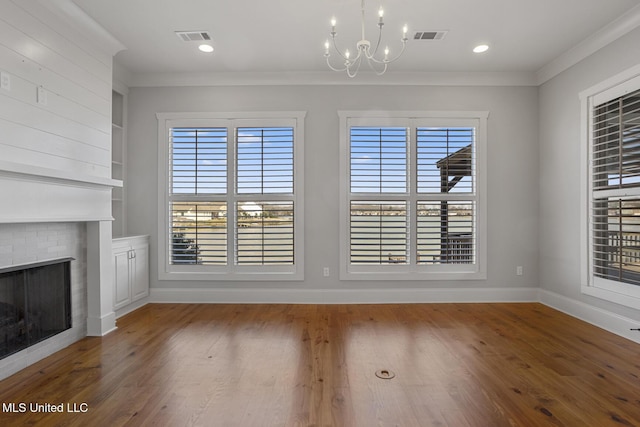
(131, 270)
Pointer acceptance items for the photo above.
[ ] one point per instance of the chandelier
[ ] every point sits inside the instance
(377, 62)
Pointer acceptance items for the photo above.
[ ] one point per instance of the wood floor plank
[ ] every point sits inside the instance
(456, 365)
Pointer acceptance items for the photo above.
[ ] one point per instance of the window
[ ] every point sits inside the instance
(613, 188)
(230, 200)
(412, 193)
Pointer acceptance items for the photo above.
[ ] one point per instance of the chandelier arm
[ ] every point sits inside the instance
(335, 46)
(388, 61)
(334, 68)
(404, 45)
(357, 67)
(373, 68)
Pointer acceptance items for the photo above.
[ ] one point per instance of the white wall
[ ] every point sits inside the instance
(560, 208)
(512, 174)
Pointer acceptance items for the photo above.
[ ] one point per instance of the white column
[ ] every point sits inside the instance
(101, 319)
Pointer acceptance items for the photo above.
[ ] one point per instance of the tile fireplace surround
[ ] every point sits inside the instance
(33, 242)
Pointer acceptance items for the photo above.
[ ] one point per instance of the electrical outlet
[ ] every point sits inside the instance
(325, 272)
(5, 81)
(519, 270)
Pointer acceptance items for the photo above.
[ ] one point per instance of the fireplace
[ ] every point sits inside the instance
(35, 303)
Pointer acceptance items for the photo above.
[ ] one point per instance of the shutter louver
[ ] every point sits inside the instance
(615, 209)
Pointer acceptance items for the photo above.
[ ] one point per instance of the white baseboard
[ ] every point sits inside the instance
(604, 319)
(341, 296)
(101, 326)
(131, 307)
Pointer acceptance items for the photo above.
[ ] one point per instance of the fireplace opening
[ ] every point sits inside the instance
(35, 303)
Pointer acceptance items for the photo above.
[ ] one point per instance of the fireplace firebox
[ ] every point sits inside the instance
(35, 303)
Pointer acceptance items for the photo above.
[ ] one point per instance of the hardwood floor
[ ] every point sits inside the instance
(315, 365)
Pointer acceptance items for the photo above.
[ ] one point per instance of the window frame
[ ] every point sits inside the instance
(413, 120)
(231, 271)
(625, 294)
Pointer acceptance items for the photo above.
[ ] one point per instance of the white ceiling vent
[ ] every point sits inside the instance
(430, 35)
(193, 36)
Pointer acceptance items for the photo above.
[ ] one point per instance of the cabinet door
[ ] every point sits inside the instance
(140, 272)
(121, 285)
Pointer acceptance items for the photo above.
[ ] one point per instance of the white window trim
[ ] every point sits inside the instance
(398, 272)
(609, 290)
(167, 271)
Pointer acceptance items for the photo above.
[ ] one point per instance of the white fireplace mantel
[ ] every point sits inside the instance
(38, 194)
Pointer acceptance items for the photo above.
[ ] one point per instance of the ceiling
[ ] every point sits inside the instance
(258, 36)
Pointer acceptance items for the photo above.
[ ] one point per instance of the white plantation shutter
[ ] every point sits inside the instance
(378, 159)
(264, 160)
(198, 167)
(231, 193)
(265, 233)
(615, 183)
(199, 233)
(445, 169)
(199, 160)
(444, 160)
(378, 232)
(446, 232)
(412, 203)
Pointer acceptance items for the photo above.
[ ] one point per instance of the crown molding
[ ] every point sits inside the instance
(605, 36)
(71, 13)
(334, 79)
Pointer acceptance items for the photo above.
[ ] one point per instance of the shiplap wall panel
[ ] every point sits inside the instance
(32, 115)
(52, 58)
(32, 19)
(59, 155)
(26, 69)
(26, 91)
(72, 130)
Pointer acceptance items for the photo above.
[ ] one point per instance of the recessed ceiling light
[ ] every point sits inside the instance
(481, 48)
(206, 48)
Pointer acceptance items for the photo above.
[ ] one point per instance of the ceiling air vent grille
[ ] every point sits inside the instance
(193, 36)
(430, 35)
